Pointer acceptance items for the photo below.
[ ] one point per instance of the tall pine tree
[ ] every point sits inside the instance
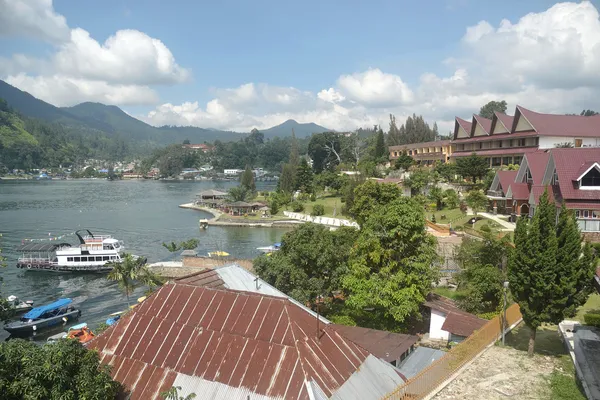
(549, 271)
(380, 150)
(247, 180)
(286, 181)
(294, 155)
(304, 177)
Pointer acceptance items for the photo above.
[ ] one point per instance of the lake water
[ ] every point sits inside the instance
(141, 213)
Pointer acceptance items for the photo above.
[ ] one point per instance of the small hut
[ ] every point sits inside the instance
(265, 211)
(239, 208)
(210, 198)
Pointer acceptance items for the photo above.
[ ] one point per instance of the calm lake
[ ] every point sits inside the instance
(141, 213)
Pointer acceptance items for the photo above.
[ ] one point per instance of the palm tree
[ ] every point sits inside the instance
(131, 270)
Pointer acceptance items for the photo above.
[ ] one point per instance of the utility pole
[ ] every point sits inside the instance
(504, 289)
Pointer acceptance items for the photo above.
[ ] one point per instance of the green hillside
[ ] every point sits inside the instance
(300, 130)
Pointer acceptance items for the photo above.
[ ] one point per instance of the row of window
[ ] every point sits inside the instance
(588, 225)
(91, 258)
(497, 144)
(590, 214)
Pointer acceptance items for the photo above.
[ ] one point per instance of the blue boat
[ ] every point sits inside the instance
(269, 249)
(61, 311)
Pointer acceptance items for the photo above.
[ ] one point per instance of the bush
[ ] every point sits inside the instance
(304, 197)
(274, 206)
(297, 206)
(317, 210)
(592, 318)
(485, 228)
(313, 197)
(488, 315)
(463, 207)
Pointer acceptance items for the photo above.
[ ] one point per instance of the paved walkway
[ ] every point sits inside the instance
(507, 225)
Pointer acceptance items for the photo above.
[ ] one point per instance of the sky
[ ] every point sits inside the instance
(238, 65)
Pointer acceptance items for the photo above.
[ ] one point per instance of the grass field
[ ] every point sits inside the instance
(447, 292)
(593, 303)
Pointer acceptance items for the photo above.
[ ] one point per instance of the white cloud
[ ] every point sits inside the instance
(118, 71)
(127, 57)
(66, 91)
(33, 18)
(375, 88)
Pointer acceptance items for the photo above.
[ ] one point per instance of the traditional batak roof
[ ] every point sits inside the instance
(500, 118)
(559, 125)
(506, 178)
(225, 344)
(486, 124)
(518, 191)
(570, 164)
(466, 125)
(537, 162)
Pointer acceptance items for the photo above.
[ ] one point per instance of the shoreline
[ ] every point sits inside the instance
(214, 221)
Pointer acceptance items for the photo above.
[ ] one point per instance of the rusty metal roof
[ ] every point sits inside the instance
(385, 345)
(225, 344)
(207, 277)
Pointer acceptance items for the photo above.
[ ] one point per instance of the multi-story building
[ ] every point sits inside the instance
(570, 175)
(424, 153)
(505, 139)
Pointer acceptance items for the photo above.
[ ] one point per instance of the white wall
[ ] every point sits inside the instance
(548, 142)
(435, 326)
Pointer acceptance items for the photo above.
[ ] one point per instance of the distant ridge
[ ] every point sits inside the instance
(89, 118)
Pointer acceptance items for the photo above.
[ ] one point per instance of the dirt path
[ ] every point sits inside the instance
(502, 373)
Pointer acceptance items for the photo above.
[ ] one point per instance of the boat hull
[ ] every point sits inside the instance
(27, 328)
(65, 268)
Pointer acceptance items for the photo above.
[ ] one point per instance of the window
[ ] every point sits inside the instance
(594, 214)
(98, 258)
(84, 259)
(592, 178)
(528, 177)
(506, 160)
(576, 213)
(555, 178)
(578, 142)
(521, 142)
(69, 259)
(500, 143)
(496, 161)
(77, 259)
(105, 258)
(517, 160)
(586, 214)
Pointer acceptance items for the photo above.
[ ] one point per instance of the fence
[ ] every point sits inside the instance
(426, 381)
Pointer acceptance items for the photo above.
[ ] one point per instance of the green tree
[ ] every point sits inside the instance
(189, 244)
(286, 181)
(487, 111)
(446, 170)
(247, 180)
(238, 193)
(473, 167)
(381, 152)
(436, 194)
(451, 198)
(533, 269)
(294, 153)
(304, 177)
(588, 113)
(394, 138)
(311, 262)
(325, 150)
(130, 272)
(477, 200)
(57, 371)
(369, 196)
(404, 161)
(417, 181)
(392, 264)
(173, 394)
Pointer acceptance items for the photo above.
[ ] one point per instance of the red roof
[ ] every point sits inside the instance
(466, 125)
(506, 120)
(386, 345)
(457, 322)
(568, 164)
(519, 191)
(207, 277)
(261, 345)
(581, 205)
(537, 162)
(538, 190)
(561, 125)
(485, 123)
(506, 178)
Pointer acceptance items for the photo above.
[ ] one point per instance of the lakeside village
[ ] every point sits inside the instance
(461, 268)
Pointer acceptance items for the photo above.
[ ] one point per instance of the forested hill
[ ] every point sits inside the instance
(27, 143)
(94, 118)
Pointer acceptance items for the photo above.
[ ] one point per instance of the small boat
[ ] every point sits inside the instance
(203, 223)
(113, 320)
(218, 254)
(269, 249)
(18, 305)
(42, 317)
(80, 332)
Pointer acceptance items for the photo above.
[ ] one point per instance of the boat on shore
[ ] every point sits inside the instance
(61, 311)
(95, 253)
(81, 332)
(269, 249)
(18, 305)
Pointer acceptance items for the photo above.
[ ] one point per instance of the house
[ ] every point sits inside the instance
(198, 147)
(425, 153)
(449, 323)
(235, 345)
(233, 171)
(506, 139)
(570, 175)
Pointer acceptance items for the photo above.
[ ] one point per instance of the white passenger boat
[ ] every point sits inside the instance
(93, 254)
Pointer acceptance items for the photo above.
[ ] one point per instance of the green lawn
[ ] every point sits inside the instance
(593, 303)
(329, 204)
(450, 293)
(454, 216)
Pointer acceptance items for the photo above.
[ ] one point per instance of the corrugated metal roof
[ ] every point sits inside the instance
(207, 278)
(263, 344)
(419, 359)
(385, 345)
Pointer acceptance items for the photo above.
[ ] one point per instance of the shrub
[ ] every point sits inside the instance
(488, 315)
(313, 197)
(304, 197)
(274, 206)
(592, 318)
(317, 210)
(463, 207)
(297, 206)
(485, 228)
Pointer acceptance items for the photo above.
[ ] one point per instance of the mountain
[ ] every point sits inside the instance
(300, 130)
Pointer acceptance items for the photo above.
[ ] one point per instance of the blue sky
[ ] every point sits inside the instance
(291, 51)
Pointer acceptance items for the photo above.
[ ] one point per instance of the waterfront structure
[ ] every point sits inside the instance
(425, 153)
(570, 175)
(235, 345)
(506, 139)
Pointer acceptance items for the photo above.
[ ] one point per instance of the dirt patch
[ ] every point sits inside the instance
(502, 373)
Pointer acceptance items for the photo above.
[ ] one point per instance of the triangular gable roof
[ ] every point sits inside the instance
(502, 122)
(537, 191)
(518, 191)
(585, 168)
(521, 121)
(536, 162)
(560, 125)
(506, 178)
(461, 124)
(569, 164)
(244, 344)
(484, 123)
